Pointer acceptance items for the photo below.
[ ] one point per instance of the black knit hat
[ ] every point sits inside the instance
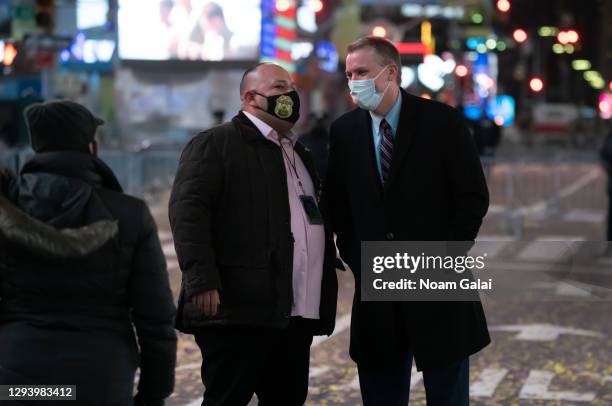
(61, 126)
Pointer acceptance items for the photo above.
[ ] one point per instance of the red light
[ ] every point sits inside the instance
(316, 5)
(10, 53)
(426, 96)
(610, 86)
(379, 31)
(461, 71)
(412, 48)
(572, 36)
(282, 5)
(519, 35)
(563, 38)
(536, 84)
(503, 6)
(605, 106)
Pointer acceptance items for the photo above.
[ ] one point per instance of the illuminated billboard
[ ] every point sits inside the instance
(191, 30)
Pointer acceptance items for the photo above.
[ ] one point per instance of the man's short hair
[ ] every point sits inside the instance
(383, 48)
(246, 73)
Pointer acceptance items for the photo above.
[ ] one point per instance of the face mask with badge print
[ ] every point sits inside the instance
(285, 106)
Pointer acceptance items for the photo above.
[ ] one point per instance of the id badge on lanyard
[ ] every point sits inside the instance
(308, 202)
(311, 209)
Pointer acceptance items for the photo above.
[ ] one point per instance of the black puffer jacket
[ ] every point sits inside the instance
(230, 218)
(71, 320)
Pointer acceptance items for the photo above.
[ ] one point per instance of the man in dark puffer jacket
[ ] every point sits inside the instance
(257, 258)
(68, 312)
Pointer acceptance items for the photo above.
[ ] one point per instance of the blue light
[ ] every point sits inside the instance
(77, 46)
(473, 42)
(502, 106)
(268, 51)
(267, 4)
(328, 56)
(481, 64)
(472, 112)
(267, 42)
(65, 55)
(268, 27)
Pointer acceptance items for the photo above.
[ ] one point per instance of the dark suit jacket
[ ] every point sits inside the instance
(436, 192)
(230, 217)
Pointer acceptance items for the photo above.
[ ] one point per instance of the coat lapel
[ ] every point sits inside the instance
(365, 140)
(306, 157)
(406, 132)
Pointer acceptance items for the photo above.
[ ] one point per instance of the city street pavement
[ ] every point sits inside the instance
(542, 353)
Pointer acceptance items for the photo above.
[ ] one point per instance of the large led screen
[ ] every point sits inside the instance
(196, 30)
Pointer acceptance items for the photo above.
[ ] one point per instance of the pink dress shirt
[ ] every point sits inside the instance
(309, 246)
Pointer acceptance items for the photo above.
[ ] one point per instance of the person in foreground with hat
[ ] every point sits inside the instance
(80, 266)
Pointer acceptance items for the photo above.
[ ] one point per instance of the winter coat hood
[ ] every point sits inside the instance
(44, 207)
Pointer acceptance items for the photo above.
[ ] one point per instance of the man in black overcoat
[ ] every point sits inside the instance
(403, 168)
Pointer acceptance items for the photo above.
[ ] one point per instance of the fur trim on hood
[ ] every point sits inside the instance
(44, 240)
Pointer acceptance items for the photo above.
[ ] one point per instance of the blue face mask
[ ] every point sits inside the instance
(364, 92)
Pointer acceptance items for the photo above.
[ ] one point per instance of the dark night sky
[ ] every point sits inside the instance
(586, 15)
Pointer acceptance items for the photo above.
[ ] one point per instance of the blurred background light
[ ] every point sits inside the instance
(581, 64)
(519, 35)
(461, 71)
(503, 6)
(379, 31)
(477, 18)
(536, 84)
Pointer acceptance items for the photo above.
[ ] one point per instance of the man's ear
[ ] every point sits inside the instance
(246, 97)
(249, 96)
(93, 148)
(394, 70)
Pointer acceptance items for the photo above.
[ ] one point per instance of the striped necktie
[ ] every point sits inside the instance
(386, 149)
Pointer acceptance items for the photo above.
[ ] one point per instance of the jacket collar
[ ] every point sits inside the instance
(251, 133)
(307, 159)
(267, 131)
(247, 129)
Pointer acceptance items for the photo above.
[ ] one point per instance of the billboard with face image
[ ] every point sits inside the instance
(190, 30)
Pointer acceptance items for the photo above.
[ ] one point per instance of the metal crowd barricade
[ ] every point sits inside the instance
(145, 174)
(527, 189)
(522, 189)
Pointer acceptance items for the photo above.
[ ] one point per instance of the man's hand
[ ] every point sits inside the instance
(208, 302)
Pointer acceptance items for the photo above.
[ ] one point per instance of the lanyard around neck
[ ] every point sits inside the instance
(292, 164)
